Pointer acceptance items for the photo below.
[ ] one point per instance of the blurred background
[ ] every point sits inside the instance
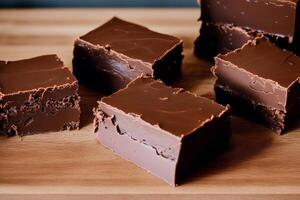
(96, 3)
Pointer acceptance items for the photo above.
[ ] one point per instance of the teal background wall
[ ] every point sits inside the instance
(97, 3)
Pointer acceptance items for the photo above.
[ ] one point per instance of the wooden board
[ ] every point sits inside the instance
(258, 165)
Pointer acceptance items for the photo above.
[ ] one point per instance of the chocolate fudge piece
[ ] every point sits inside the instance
(112, 55)
(217, 39)
(37, 95)
(161, 129)
(273, 17)
(260, 81)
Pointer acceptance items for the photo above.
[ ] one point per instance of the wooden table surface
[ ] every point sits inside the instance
(258, 164)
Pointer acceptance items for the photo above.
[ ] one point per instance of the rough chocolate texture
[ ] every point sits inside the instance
(164, 135)
(112, 55)
(263, 74)
(273, 118)
(37, 95)
(282, 42)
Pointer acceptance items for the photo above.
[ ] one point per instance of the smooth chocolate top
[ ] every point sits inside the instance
(269, 16)
(132, 40)
(264, 59)
(172, 109)
(33, 73)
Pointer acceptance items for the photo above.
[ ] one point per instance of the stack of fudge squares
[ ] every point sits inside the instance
(165, 130)
(253, 44)
(228, 24)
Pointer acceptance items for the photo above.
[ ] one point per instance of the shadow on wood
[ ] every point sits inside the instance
(88, 101)
(196, 74)
(248, 140)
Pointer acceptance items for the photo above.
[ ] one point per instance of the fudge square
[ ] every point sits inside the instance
(164, 130)
(37, 95)
(261, 82)
(276, 18)
(112, 55)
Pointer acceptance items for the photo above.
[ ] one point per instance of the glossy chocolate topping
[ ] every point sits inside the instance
(270, 16)
(171, 109)
(264, 59)
(31, 64)
(34, 73)
(132, 40)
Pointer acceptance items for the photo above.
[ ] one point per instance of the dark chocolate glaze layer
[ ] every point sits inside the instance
(34, 73)
(132, 40)
(164, 106)
(38, 63)
(264, 59)
(269, 16)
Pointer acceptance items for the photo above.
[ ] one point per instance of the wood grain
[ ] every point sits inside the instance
(258, 164)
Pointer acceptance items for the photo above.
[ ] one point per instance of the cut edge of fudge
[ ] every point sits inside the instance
(277, 119)
(281, 41)
(167, 150)
(219, 38)
(21, 111)
(32, 107)
(102, 65)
